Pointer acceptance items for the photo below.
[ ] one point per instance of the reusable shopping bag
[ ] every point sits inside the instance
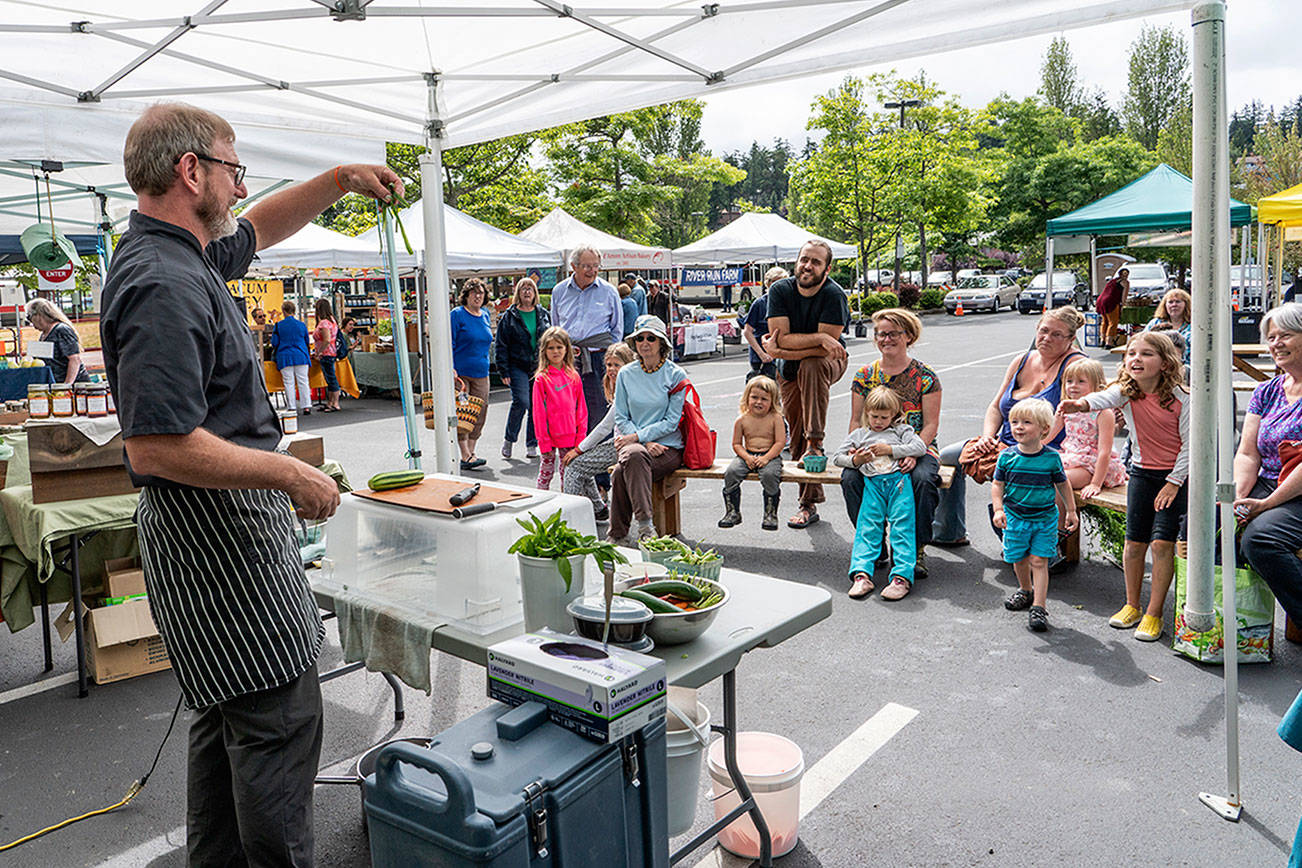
(1255, 612)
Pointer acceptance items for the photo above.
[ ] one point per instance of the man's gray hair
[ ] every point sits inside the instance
(1287, 316)
(818, 242)
(162, 134)
(577, 252)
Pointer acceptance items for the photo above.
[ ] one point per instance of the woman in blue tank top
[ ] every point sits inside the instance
(1037, 373)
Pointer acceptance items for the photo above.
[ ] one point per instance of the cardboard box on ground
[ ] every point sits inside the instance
(121, 640)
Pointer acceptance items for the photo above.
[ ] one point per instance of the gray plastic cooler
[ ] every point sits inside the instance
(509, 789)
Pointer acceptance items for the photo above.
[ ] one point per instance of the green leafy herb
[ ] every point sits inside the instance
(553, 538)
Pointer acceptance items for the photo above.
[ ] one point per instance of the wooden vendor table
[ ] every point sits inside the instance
(761, 612)
(315, 378)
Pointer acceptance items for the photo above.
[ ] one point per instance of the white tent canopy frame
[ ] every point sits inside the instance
(367, 67)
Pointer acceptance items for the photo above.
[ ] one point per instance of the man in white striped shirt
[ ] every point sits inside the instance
(226, 585)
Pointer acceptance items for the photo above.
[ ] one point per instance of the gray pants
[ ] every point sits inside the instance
(770, 475)
(253, 760)
(580, 475)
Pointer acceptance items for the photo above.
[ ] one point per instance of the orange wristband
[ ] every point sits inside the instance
(336, 177)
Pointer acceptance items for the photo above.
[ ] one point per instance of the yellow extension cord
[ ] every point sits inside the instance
(132, 792)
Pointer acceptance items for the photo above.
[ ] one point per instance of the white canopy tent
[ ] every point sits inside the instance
(315, 246)
(422, 74)
(563, 231)
(472, 246)
(755, 237)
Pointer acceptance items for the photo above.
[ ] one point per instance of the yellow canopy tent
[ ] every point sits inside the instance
(1283, 211)
(1283, 208)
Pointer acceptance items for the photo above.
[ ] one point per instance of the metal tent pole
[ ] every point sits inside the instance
(1212, 447)
(438, 323)
(1048, 272)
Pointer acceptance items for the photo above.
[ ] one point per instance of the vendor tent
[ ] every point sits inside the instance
(473, 246)
(754, 237)
(564, 231)
(1160, 200)
(315, 246)
(1284, 208)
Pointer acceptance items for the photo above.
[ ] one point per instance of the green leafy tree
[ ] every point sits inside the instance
(1279, 164)
(847, 186)
(1175, 142)
(1158, 83)
(1059, 81)
(491, 181)
(1098, 118)
(642, 175)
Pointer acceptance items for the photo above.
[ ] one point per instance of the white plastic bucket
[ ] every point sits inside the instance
(683, 750)
(772, 766)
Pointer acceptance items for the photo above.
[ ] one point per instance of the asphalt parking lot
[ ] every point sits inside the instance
(937, 730)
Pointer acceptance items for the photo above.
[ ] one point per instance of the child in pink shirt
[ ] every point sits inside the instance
(1150, 391)
(560, 415)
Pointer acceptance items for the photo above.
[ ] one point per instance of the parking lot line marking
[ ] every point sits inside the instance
(37, 687)
(845, 759)
(150, 850)
(822, 779)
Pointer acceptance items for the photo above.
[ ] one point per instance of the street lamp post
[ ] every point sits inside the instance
(901, 105)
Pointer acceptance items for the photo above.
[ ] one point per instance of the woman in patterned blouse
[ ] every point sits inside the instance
(894, 331)
(1270, 510)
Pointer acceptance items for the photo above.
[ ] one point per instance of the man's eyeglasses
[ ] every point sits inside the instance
(239, 169)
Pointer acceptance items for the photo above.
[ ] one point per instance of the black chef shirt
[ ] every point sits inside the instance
(177, 351)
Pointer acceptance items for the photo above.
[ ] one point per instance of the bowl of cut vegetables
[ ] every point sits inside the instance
(682, 606)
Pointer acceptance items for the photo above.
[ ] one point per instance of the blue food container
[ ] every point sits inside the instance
(507, 788)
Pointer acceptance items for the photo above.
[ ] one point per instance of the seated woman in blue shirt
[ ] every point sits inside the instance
(1173, 313)
(647, 413)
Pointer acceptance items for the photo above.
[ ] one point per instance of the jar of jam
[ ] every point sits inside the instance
(62, 403)
(112, 405)
(79, 394)
(96, 400)
(38, 401)
(288, 422)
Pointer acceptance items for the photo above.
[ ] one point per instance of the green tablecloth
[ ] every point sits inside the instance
(30, 531)
(380, 370)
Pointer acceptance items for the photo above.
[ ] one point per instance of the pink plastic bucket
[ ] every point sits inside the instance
(772, 766)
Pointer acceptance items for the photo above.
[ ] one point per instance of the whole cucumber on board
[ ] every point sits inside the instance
(655, 604)
(681, 590)
(394, 479)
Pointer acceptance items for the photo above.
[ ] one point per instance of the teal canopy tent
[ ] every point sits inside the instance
(1161, 200)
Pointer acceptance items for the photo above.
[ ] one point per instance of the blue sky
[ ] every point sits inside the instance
(1264, 54)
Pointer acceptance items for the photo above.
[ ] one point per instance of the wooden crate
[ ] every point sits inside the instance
(67, 466)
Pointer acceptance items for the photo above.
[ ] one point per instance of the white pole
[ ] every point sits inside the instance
(1212, 447)
(438, 324)
(1094, 268)
(1048, 272)
(1279, 264)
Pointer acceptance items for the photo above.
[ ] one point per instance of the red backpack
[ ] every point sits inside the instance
(699, 440)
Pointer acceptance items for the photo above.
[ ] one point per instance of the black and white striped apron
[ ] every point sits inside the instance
(227, 589)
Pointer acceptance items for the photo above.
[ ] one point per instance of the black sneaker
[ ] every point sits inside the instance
(1037, 619)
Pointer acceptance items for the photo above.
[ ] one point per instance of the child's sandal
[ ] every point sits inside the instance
(1018, 600)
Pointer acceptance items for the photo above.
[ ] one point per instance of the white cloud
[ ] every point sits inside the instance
(1261, 54)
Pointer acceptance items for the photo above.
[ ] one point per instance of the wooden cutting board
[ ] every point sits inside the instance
(432, 495)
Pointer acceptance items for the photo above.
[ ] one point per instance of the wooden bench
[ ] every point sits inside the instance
(664, 493)
(1113, 499)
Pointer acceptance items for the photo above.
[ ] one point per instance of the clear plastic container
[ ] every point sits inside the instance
(433, 566)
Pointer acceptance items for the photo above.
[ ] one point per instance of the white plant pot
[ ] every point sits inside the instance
(542, 590)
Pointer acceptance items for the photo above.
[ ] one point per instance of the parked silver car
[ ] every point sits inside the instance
(991, 292)
(1148, 281)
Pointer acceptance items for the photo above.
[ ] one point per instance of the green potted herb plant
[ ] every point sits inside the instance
(552, 556)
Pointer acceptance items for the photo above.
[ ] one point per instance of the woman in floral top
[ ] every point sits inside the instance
(1268, 510)
(894, 331)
